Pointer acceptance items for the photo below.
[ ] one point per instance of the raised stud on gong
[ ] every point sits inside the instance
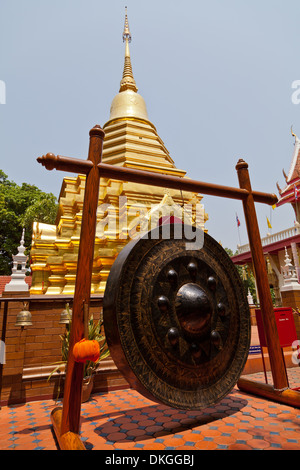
(192, 269)
(172, 277)
(212, 283)
(163, 303)
(216, 339)
(173, 336)
(221, 309)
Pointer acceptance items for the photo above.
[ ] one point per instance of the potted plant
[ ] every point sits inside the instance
(95, 332)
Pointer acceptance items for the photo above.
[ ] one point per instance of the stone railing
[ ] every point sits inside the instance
(273, 238)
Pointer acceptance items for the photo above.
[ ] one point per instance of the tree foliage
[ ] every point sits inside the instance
(249, 282)
(20, 206)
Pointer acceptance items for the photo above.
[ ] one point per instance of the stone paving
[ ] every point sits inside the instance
(125, 420)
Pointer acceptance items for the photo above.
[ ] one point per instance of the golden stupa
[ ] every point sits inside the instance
(131, 140)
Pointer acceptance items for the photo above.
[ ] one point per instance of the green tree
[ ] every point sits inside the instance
(249, 283)
(20, 206)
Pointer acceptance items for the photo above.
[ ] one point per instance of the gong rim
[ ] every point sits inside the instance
(143, 312)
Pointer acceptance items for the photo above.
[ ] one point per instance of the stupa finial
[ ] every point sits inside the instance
(126, 32)
(127, 81)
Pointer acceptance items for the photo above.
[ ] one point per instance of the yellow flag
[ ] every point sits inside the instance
(268, 222)
(274, 206)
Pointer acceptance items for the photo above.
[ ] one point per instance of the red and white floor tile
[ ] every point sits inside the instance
(125, 420)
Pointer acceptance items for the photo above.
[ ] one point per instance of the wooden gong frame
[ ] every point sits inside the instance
(66, 420)
(177, 320)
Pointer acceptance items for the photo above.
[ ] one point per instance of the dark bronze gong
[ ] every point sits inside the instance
(177, 321)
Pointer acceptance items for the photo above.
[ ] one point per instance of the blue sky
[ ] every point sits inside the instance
(216, 77)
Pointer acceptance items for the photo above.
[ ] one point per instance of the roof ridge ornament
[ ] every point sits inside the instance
(294, 135)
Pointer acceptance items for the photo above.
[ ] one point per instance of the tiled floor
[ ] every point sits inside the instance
(126, 420)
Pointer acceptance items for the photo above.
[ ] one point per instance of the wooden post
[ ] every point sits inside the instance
(74, 376)
(268, 316)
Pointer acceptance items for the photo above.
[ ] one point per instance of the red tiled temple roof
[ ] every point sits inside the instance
(289, 193)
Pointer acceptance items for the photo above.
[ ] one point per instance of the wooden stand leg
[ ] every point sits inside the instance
(73, 385)
(264, 365)
(67, 421)
(69, 440)
(288, 396)
(280, 391)
(267, 311)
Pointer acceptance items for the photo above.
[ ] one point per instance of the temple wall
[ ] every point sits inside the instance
(32, 351)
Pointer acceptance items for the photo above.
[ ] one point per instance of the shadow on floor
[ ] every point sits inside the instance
(154, 421)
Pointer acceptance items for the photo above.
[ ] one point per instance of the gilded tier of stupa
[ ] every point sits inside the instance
(131, 140)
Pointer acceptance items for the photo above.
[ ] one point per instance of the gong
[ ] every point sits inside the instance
(177, 320)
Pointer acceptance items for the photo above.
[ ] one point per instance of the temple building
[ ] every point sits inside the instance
(131, 140)
(281, 249)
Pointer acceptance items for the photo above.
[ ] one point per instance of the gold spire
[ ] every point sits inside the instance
(128, 103)
(126, 32)
(127, 82)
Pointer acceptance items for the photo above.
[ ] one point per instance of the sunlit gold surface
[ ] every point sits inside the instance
(131, 140)
(128, 104)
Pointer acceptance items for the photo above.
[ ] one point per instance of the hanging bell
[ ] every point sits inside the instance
(65, 316)
(24, 317)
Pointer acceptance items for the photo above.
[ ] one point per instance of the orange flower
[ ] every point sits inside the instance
(86, 350)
